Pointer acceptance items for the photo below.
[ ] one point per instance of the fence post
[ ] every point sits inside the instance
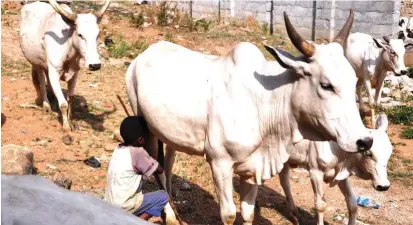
(272, 18)
(232, 8)
(190, 16)
(219, 11)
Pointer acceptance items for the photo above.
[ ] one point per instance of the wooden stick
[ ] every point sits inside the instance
(157, 178)
(123, 105)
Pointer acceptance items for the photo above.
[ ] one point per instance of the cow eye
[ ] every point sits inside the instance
(80, 35)
(392, 52)
(327, 86)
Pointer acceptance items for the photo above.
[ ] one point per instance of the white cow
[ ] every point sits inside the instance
(30, 199)
(372, 59)
(243, 112)
(327, 162)
(405, 28)
(54, 39)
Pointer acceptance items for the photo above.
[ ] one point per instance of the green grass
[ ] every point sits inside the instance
(122, 49)
(407, 133)
(137, 21)
(399, 144)
(400, 114)
(162, 15)
(410, 72)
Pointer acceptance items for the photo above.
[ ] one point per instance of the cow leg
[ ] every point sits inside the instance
(169, 163)
(320, 203)
(38, 78)
(43, 90)
(71, 95)
(54, 76)
(285, 184)
(248, 194)
(359, 88)
(351, 200)
(377, 99)
(151, 146)
(36, 84)
(367, 85)
(223, 173)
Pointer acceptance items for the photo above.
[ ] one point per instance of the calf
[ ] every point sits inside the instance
(327, 162)
(35, 200)
(371, 60)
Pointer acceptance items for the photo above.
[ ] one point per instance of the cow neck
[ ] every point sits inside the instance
(277, 128)
(380, 66)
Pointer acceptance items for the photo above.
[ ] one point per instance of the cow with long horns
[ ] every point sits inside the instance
(243, 112)
(54, 39)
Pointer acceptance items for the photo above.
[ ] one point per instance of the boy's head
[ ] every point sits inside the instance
(132, 130)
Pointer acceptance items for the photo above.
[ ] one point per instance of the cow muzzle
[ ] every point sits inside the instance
(364, 144)
(382, 187)
(94, 67)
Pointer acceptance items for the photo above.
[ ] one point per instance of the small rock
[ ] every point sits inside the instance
(68, 140)
(185, 187)
(338, 218)
(386, 92)
(62, 181)
(110, 147)
(51, 166)
(3, 119)
(16, 160)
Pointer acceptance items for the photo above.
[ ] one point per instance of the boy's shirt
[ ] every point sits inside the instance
(124, 178)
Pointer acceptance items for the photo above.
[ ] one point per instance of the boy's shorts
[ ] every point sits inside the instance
(153, 203)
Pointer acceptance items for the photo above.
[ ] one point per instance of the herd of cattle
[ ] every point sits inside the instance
(246, 115)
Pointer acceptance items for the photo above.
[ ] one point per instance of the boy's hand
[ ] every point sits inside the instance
(160, 169)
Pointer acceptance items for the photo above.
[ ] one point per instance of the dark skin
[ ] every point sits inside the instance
(146, 216)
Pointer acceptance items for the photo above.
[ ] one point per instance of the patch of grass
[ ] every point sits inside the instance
(399, 144)
(202, 24)
(407, 133)
(137, 21)
(122, 49)
(400, 114)
(265, 28)
(169, 36)
(410, 72)
(10, 67)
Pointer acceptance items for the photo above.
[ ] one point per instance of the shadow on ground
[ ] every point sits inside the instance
(83, 111)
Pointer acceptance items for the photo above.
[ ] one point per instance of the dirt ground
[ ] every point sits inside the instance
(96, 91)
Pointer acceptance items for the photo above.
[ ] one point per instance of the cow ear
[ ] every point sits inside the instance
(382, 122)
(286, 60)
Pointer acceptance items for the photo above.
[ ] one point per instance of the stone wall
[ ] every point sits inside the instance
(320, 19)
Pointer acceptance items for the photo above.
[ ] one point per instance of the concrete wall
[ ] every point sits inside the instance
(320, 19)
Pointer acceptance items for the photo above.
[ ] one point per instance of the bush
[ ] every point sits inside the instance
(162, 15)
(122, 49)
(407, 133)
(400, 114)
(138, 20)
(202, 23)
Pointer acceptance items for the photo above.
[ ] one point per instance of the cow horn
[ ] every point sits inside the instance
(69, 15)
(386, 39)
(102, 9)
(341, 37)
(302, 45)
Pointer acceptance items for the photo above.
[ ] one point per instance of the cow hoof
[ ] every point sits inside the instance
(46, 107)
(67, 128)
(38, 101)
(171, 221)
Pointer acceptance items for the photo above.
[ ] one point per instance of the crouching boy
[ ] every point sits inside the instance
(129, 167)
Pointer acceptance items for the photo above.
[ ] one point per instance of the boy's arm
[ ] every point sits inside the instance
(143, 163)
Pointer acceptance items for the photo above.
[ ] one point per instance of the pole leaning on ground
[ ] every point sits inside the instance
(157, 178)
